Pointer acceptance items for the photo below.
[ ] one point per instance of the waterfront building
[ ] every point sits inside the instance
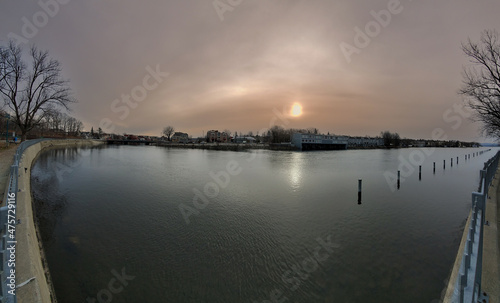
(319, 142)
(180, 137)
(216, 136)
(244, 140)
(365, 142)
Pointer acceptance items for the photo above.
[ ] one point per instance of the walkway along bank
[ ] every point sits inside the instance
(25, 275)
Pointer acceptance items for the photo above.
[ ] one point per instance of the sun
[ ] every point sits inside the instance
(296, 110)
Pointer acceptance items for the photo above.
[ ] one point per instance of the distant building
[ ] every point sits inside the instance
(216, 136)
(244, 140)
(85, 135)
(420, 143)
(130, 137)
(180, 137)
(366, 142)
(319, 142)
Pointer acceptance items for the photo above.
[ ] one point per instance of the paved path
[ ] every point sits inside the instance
(6, 160)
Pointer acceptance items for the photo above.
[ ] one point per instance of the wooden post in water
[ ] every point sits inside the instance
(359, 190)
(457, 160)
(444, 164)
(451, 162)
(434, 168)
(420, 172)
(399, 178)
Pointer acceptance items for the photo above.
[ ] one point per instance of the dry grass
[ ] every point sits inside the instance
(3, 146)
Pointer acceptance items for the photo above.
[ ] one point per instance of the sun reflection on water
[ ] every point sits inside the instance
(295, 170)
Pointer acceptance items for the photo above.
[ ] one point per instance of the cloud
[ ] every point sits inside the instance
(264, 55)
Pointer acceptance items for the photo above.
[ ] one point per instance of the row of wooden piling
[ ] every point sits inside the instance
(466, 157)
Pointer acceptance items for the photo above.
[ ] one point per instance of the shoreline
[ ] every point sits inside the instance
(266, 146)
(31, 261)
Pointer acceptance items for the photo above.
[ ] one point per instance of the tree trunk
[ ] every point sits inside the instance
(23, 136)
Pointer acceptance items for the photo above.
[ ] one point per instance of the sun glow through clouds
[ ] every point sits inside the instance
(296, 110)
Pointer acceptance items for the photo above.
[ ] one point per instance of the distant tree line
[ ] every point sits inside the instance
(55, 123)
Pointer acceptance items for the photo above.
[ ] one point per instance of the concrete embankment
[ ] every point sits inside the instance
(30, 260)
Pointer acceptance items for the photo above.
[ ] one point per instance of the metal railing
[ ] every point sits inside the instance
(467, 287)
(8, 222)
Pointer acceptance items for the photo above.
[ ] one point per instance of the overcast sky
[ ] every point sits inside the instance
(241, 64)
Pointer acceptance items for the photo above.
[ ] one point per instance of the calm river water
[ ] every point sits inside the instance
(264, 226)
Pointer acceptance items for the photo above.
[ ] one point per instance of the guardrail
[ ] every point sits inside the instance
(467, 287)
(8, 222)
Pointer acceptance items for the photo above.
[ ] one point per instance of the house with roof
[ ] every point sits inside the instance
(180, 137)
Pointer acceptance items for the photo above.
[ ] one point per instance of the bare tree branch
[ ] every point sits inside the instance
(31, 91)
(168, 131)
(481, 82)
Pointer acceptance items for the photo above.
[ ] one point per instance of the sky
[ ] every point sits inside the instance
(355, 67)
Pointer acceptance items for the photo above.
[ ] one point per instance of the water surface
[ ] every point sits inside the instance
(115, 209)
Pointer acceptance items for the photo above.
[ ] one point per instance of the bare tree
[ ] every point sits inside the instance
(72, 126)
(54, 119)
(279, 134)
(390, 139)
(313, 130)
(55, 123)
(168, 131)
(481, 81)
(30, 91)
